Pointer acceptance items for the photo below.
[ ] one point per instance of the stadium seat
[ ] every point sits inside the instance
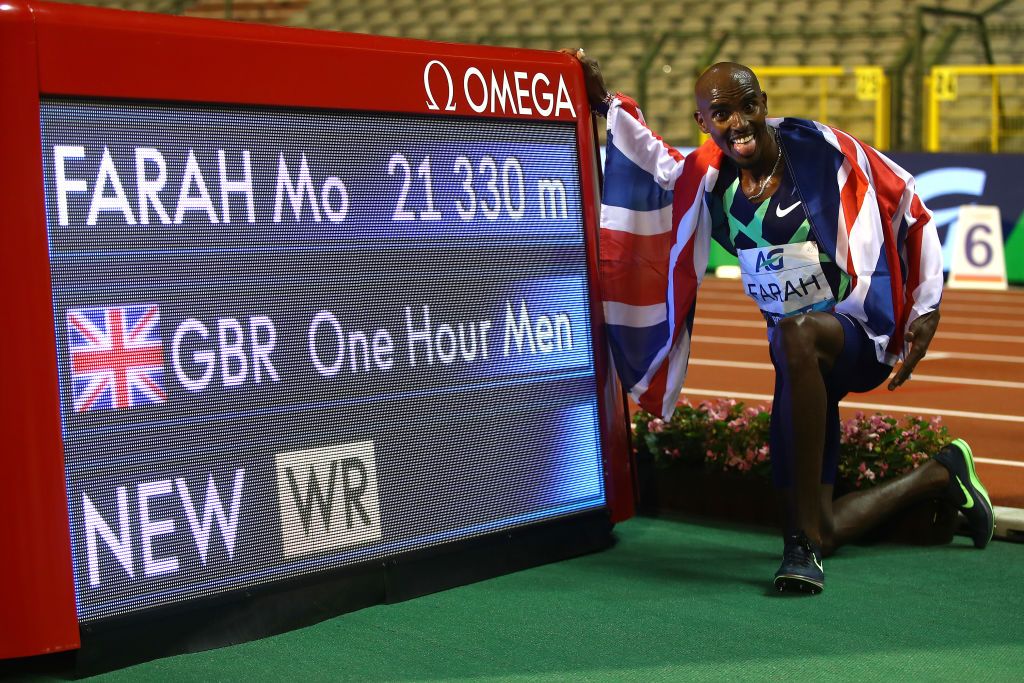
(770, 32)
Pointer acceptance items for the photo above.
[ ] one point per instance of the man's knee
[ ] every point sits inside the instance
(807, 340)
(793, 342)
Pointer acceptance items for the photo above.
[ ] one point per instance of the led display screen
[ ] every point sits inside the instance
(295, 340)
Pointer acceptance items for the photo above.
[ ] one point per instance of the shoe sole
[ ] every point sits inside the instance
(790, 583)
(979, 487)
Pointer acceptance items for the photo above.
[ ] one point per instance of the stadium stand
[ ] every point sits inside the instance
(654, 49)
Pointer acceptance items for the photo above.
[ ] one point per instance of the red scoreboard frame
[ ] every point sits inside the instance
(50, 49)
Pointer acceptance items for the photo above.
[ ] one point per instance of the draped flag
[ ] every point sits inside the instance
(656, 229)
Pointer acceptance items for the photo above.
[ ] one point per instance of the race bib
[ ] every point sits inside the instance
(786, 279)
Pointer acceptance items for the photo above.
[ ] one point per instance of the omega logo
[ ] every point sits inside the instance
(495, 93)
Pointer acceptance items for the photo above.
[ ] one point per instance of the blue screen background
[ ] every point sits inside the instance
(214, 439)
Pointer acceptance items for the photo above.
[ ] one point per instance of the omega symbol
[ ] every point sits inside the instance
(431, 102)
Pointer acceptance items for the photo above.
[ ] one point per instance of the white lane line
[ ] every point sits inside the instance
(726, 322)
(731, 341)
(960, 298)
(967, 336)
(1008, 298)
(932, 355)
(971, 308)
(913, 410)
(1010, 291)
(946, 319)
(749, 307)
(993, 461)
(968, 381)
(742, 303)
(954, 355)
(746, 365)
(975, 322)
(941, 334)
(1009, 294)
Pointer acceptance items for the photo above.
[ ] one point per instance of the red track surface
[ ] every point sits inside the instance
(952, 379)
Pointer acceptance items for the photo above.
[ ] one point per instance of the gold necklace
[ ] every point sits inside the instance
(764, 183)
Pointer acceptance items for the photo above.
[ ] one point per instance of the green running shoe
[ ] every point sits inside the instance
(967, 492)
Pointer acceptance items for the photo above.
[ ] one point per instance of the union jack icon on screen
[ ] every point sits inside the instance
(117, 358)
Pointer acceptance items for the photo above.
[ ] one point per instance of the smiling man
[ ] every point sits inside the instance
(835, 249)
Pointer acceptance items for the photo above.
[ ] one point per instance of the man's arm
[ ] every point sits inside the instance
(919, 336)
(626, 122)
(597, 92)
(650, 259)
(924, 282)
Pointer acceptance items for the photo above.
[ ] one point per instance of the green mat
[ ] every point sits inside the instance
(675, 601)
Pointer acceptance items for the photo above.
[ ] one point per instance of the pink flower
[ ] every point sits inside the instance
(865, 472)
(656, 426)
(714, 413)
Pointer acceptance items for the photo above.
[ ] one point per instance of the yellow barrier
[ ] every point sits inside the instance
(989, 110)
(855, 99)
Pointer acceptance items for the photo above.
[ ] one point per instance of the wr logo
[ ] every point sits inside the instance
(328, 498)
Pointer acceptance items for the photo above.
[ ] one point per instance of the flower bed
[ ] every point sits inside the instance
(729, 436)
(712, 459)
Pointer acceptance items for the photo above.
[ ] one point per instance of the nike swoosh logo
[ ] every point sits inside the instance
(970, 499)
(782, 213)
(820, 567)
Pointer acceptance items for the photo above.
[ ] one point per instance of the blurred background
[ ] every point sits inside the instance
(931, 75)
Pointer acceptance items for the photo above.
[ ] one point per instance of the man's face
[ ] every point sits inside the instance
(731, 108)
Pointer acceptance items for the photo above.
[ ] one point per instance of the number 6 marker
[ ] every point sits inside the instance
(978, 261)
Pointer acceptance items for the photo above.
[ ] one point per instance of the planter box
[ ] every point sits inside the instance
(692, 490)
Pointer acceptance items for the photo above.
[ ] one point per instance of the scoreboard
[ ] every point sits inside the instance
(289, 302)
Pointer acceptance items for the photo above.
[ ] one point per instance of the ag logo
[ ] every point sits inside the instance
(328, 498)
(769, 261)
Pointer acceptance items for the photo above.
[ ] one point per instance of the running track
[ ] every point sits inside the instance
(973, 375)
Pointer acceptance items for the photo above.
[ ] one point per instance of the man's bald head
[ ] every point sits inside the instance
(721, 76)
(731, 108)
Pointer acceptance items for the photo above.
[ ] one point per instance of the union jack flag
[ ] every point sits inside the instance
(117, 358)
(657, 225)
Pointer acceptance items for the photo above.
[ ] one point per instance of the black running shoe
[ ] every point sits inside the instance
(801, 570)
(966, 491)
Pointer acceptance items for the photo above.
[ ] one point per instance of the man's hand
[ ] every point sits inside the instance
(592, 78)
(919, 336)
